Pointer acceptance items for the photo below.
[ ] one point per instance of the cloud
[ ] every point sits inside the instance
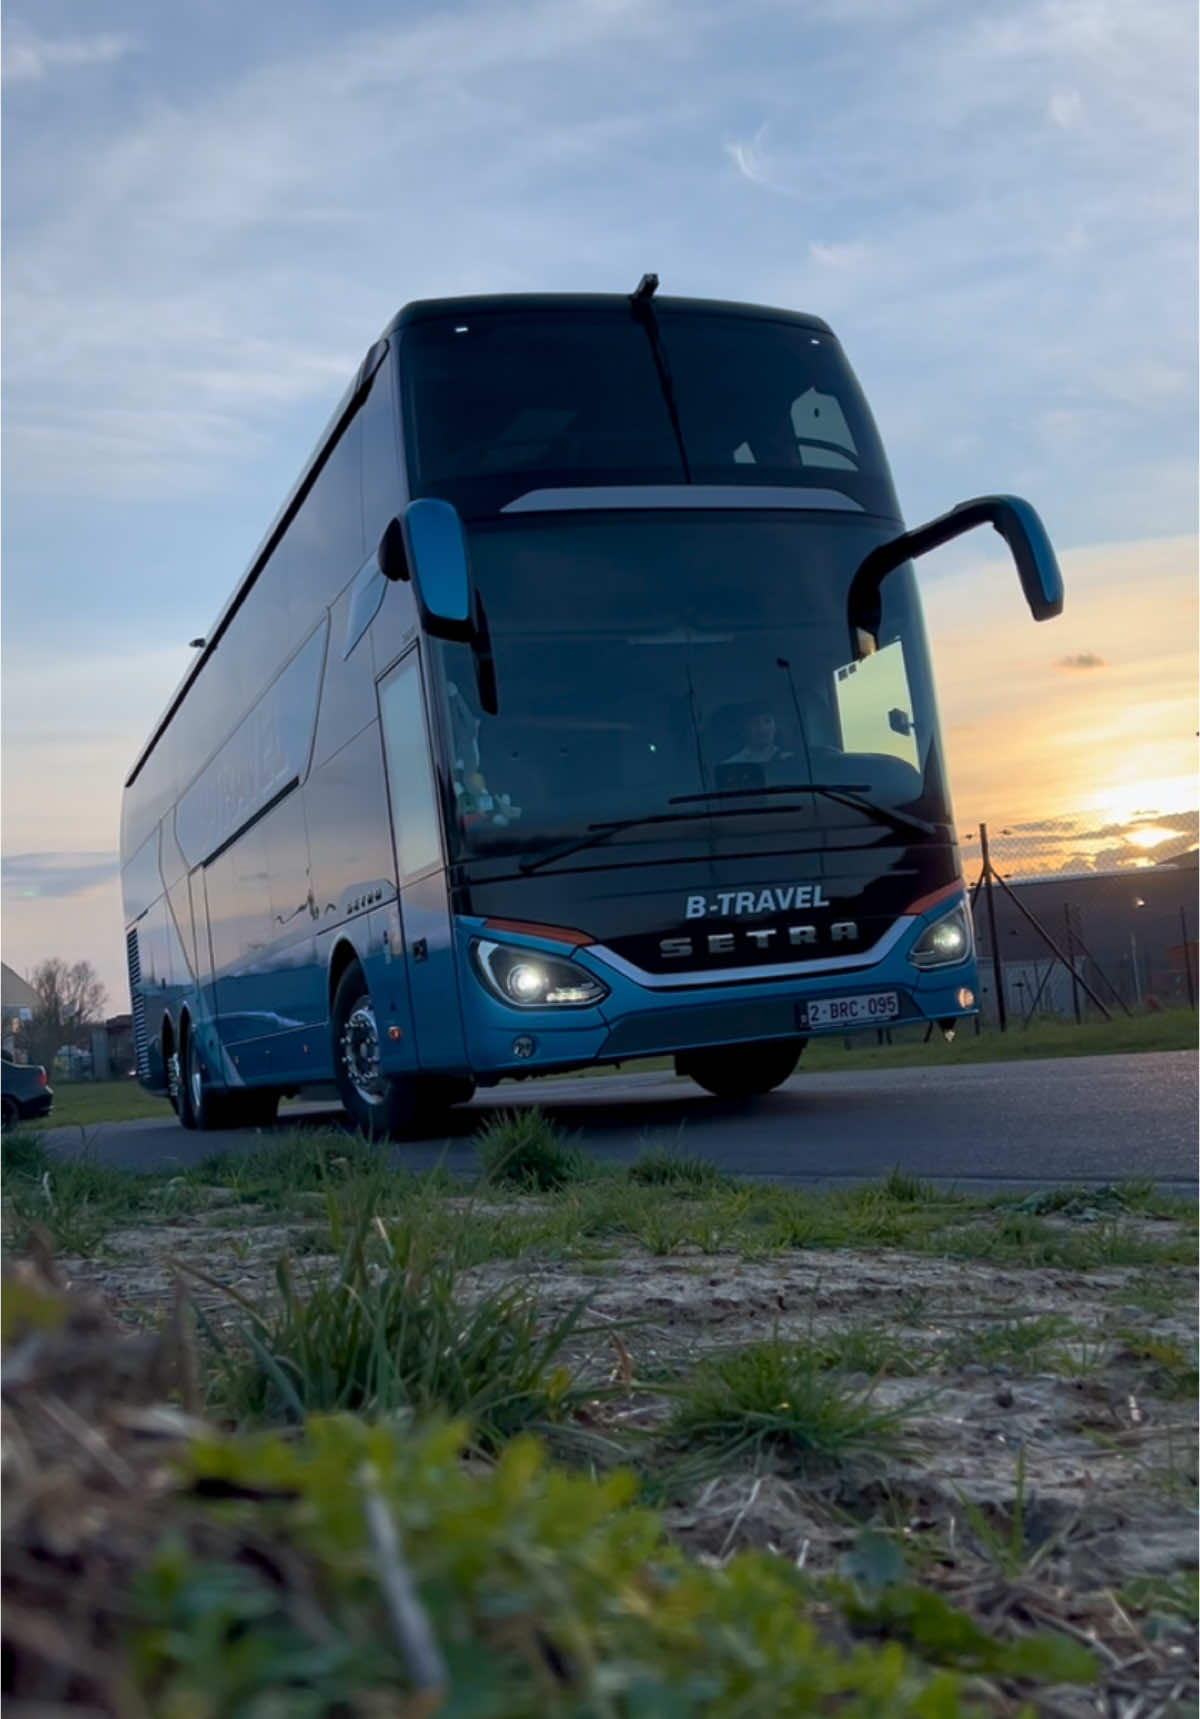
(851, 255)
(31, 58)
(38, 877)
(253, 235)
(753, 161)
(1081, 660)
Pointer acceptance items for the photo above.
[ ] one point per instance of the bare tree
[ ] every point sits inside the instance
(70, 998)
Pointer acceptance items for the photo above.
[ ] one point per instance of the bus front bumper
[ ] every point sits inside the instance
(635, 1021)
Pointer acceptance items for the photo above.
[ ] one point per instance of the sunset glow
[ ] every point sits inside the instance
(1144, 799)
(1148, 836)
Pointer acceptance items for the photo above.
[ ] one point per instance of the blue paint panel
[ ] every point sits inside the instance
(433, 973)
(141, 880)
(269, 749)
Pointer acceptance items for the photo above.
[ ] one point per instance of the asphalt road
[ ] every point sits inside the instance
(980, 1126)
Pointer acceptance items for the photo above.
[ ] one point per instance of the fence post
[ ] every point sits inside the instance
(998, 976)
(1189, 976)
(1071, 962)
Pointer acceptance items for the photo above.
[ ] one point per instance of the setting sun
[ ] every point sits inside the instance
(1148, 835)
(1144, 799)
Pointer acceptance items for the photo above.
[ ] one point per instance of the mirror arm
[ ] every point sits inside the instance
(392, 555)
(1011, 517)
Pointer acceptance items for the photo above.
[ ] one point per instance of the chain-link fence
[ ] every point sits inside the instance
(1081, 920)
(1078, 844)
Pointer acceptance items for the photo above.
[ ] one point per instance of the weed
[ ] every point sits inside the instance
(1083, 1354)
(387, 1333)
(22, 1153)
(1024, 1343)
(682, 1171)
(907, 1190)
(662, 1229)
(1173, 1596)
(524, 1149)
(777, 1397)
(1152, 1291)
(1011, 1550)
(868, 1349)
(1173, 1372)
(79, 1201)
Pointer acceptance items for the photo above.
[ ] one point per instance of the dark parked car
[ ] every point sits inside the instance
(26, 1092)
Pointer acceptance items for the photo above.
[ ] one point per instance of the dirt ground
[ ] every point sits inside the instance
(1105, 1491)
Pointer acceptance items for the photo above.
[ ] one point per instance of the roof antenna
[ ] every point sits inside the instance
(646, 289)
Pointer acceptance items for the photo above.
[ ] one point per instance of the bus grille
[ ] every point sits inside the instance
(137, 1003)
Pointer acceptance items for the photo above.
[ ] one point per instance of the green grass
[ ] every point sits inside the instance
(1027, 1344)
(84, 1103)
(78, 1201)
(776, 1399)
(522, 1149)
(1170, 1029)
(389, 1334)
(1171, 1370)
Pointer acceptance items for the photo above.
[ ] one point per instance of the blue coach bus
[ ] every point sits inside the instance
(576, 708)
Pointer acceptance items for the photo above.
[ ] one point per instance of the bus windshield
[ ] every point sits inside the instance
(652, 668)
(500, 403)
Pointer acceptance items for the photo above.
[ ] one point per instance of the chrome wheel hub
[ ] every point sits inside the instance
(360, 1052)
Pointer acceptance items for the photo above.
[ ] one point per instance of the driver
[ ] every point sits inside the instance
(759, 735)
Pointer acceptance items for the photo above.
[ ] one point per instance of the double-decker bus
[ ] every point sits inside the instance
(576, 708)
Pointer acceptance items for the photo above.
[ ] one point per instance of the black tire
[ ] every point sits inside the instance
(203, 1109)
(434, 1099)
(196, 1107)
(741, 1071)
(380, 1106)
(10, 1111)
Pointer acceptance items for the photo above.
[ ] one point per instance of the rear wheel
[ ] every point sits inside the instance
(10, 1111)
(381, 1106)
(203, 1109)
(741, 1071)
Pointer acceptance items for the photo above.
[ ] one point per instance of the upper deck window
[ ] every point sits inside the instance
(501, 402)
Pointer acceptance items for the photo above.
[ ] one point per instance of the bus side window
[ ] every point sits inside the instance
(325, 539)
(382, 495)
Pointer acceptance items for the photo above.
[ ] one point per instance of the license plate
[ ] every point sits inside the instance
(861, 1011)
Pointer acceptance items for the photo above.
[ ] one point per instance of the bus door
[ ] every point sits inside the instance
(420, 869)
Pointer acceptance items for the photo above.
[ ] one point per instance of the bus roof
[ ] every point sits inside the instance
(423, 309)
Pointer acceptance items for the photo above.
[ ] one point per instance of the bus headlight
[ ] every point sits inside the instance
(944, 943)
(526, 979)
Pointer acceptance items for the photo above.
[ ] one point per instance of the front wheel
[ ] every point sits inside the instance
(741, 1071)
(380, 1106)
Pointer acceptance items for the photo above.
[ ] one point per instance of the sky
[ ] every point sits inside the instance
(209, 212)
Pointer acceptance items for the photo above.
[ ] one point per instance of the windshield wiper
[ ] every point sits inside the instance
(844, 793)
(598, 833)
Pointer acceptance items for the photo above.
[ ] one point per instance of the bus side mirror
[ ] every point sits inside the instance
(428, 546)
(1015, 520)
